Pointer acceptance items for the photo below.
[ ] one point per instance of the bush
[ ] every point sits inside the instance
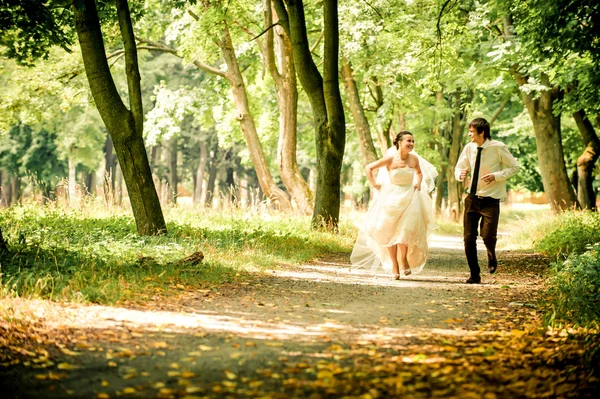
(570, 232)
(575, 289)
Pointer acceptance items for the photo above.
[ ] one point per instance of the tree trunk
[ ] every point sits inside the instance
(283, 72)
(72, 181)
(124, 126)
(118, 186)
(200, 174)
(109, 171)
(546, 126)
(549, 144)
(212, 175)
(586, 161)
(8, 190)
(16, 191)
(3, 245)
(240, 98)
(455, 188)
(402, 121)
(173, 178)
(326, 103)
(368, 153)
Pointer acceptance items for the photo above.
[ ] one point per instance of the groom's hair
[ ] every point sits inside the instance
(482, 126)
(399, 137)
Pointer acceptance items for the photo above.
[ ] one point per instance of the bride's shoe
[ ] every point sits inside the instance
(395, 276)
(406, 272)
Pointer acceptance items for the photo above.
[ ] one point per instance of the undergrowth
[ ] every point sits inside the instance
(100, 258)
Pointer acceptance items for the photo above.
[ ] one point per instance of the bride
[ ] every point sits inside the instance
(395, 229)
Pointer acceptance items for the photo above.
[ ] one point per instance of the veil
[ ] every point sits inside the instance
(428, 170)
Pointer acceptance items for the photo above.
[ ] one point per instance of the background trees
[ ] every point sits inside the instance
(226, 120)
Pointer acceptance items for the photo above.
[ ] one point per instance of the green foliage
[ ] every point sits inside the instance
(574, 294)
(101, 259)
(29, 28)
(570, 232)
(25, 152)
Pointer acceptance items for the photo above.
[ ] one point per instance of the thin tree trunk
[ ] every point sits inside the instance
(125, 126)
(586, 161)
(212, 175)
(402, 121)
(200, 174)
(499, 111)
(2, 189)
(8, 190)
(109, 170)
(326, 103)
(368, 153)
(283, 73)
(173, 177)
(454, 187)
(16, 191)
(3, 245)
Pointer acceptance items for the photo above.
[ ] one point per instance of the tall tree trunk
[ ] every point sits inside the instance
(2, 189)
(283, 72)
(326, 103)
(173, 177)
(455, 188)
(546, 126)
(240, 97)
(402, 121)
(368, 153)
(548, 139)
(16, 192)
(586, 161)
(8, 190)
(73, 200)
(3, 245)
(212, 175)
(200, 173)
(109, 171)
(125, 126)
(384, 136)
(118, 186)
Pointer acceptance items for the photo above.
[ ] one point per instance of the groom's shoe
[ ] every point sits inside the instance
(474, 280)
(492, 266)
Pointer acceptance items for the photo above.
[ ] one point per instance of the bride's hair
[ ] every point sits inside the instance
(399, 136)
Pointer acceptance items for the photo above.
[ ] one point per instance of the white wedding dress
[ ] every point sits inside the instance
(398, 215)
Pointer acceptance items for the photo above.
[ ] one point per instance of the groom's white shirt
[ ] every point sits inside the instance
(495, 159)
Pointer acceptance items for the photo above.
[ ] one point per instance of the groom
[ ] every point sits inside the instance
(490, 165)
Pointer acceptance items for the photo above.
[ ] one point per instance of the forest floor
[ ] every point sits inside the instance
(309, 331)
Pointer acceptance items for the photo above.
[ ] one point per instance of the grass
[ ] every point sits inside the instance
(91, 255)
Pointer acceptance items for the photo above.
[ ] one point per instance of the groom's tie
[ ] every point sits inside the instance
(476, 172)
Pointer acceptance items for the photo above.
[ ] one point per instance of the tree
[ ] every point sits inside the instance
(35, 26)
(125, 126)
(283, 74)
(324, 95)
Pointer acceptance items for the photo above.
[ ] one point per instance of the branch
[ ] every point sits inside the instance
(499, 110)
(317, 42)
(157, 46)
(265, 31)
(131, 65)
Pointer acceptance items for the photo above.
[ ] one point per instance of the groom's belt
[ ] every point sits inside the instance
(481, 197)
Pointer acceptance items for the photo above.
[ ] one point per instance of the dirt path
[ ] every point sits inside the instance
(310, 331)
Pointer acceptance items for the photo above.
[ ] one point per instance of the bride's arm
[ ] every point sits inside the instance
(385, 161)
(419, 174)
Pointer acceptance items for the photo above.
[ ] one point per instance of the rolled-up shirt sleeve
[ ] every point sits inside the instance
(463, 163)
(509, 163)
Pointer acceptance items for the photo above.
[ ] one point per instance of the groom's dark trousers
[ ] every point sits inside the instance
(487, 211)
